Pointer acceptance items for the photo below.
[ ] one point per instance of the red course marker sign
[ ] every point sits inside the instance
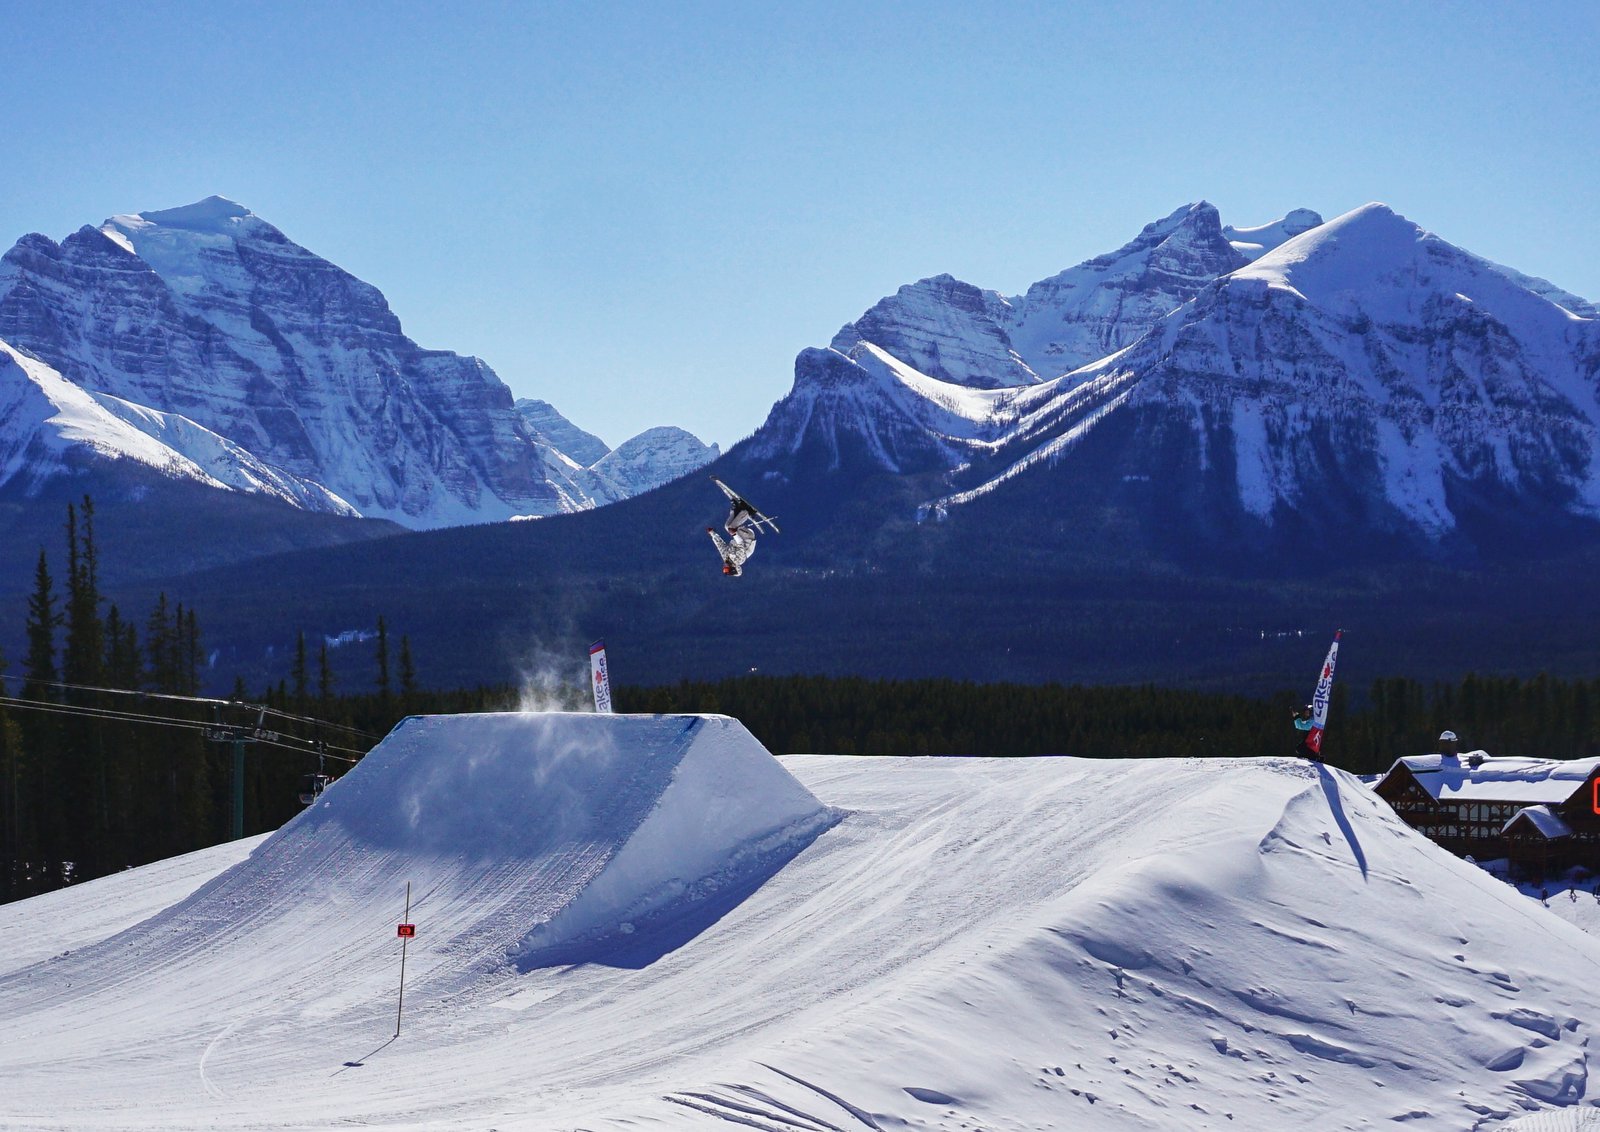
(408, 931)
(1597, 795)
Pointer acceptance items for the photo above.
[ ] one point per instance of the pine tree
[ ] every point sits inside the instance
(385, 700)
(324, 683)
(14, 843)
(299, 678)
(40, 666)
(83, 653)
(408, 678)
(41, 732)
(161, 648)
(188, 651)
(86, 779)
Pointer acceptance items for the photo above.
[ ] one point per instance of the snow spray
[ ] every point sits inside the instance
(551, 682)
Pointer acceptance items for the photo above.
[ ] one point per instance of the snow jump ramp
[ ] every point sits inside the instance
(528, 839)
(527, 832)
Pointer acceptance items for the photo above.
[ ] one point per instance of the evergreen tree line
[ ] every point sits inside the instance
(72, 783)
(92, 781)
(1539, 717)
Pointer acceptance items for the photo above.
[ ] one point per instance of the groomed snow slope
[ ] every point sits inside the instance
(1000, 944)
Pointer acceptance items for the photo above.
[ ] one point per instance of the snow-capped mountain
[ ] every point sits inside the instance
(52, 426)
(955, 332)
(606, 475)
(654, 457)
(239, 352)
(1361, 374)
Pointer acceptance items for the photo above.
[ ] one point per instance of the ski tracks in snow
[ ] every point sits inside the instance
(760, 1108)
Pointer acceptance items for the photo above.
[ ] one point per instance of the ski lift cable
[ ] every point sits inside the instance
(122, 691)
(104, 713)
(305, 746)
(311, 719)
(181, 724)
(199, 700)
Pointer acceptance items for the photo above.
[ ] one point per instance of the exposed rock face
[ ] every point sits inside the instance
(605, 475)
(983, 340)
(1352, 378)
(207, 322)
(545, 423)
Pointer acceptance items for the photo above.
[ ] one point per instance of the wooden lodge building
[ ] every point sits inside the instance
(1539, 814)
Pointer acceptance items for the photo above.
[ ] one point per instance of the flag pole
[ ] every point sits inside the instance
(405, 938)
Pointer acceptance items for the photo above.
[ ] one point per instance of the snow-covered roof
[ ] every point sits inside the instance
(1449, 778)
(1544, 819)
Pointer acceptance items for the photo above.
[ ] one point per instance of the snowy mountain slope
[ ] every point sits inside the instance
(582, 448)
(947, 329)
(1100, 306)
(1578, 305)
(654, 457)
(606, 475)
(1012, 943)
(950, 333)
(211, 313)
(1346, 379)
(1253, 243)
(958, 333)
(48, 425)
(866, 406)
(1438, 375)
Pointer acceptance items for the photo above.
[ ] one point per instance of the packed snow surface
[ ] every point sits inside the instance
(1049, 943)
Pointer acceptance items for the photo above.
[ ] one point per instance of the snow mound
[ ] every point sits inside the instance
(985, 943)
(1269, 946)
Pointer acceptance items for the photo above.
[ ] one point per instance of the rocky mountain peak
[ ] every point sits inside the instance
(207, 328)
(1361, 368)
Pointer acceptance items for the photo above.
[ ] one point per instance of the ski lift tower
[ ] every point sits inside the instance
(237, 735)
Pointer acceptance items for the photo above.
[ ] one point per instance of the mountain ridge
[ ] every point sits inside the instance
(1379, 441)
(211, 313)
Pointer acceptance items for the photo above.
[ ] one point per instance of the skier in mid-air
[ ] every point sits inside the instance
(742, 524)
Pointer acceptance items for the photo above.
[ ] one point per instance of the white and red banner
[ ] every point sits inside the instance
(1323, 696)
(600, 677)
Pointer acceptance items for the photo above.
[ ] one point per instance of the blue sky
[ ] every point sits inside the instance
(641, 212)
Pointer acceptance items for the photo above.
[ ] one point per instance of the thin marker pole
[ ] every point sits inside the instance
(403, 941)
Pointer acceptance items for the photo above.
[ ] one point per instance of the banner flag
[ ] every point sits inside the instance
(600, 677)
(1323, 696)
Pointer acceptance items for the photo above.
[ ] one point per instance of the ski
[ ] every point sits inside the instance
(758, 520)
